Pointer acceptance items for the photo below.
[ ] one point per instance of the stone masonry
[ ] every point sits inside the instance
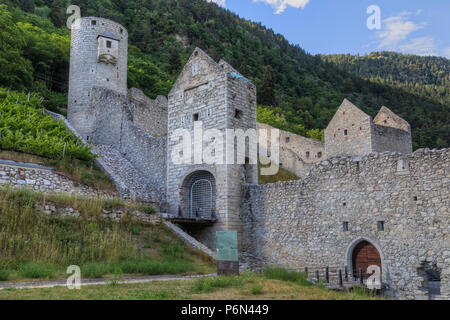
(299, 224)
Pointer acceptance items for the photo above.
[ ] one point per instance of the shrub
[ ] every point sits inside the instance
(204, 285)
(286, 275)
(256, 288)
(4, 275)
(95, 270)
(146, 209)
(36, 270)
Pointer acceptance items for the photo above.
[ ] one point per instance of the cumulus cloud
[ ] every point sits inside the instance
(397, 29)
(396, 36)
(281, 5)
(221, 3)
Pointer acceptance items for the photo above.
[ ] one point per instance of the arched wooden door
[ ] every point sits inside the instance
(365, 255)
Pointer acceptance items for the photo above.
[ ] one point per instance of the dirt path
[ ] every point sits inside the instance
(93, 282)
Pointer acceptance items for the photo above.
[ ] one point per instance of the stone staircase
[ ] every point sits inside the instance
(130, 183)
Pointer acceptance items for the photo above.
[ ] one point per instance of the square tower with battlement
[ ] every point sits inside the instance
(204, 196)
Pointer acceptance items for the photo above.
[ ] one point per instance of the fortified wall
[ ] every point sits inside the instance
(399, 203)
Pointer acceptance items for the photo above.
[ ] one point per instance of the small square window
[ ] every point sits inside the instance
(238, 114)
(380, 225)
(319, 155)
(93, 22)
(288, 139)
(345, 226)
(108, 44)
(196, 117)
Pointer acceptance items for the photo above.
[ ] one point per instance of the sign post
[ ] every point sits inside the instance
(227, 253)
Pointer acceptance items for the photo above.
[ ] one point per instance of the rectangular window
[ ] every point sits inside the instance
(93, 22)
(108, 44)
(345, 226)
(288, 139)
(380, 225)
(345, 132)
(238, 114)
(196, 117)
(307, 154)
(319, 155)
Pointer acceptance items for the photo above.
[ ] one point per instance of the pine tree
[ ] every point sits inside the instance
(267, 90)
(175, 63)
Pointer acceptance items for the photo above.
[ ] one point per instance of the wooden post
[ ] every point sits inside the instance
(341, 283)
(327, 274)
(361, 280)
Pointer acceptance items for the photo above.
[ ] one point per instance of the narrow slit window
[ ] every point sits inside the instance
(345, 132)
(380, 225)
(345, 226)
(196, 117)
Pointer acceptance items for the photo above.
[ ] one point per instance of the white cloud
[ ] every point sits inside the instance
(423, 46)
(447, 53)
(397, 30)
(221, 3)
(281, 5)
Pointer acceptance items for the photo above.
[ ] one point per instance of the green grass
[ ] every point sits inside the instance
(35, 245)
(282, 175)
(248, 286)
(286, 275)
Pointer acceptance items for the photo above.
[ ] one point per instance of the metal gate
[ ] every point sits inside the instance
(200, 202)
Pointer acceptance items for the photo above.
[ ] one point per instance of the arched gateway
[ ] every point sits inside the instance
(365, 255)
(199, 191)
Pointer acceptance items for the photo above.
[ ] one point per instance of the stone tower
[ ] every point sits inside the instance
(98, 58)
(218, 97)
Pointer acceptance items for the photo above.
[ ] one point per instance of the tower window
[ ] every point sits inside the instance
(288, 139)
(196, 117)
(307, 154)
(319, 155)
(238, 114)
(380, 225)
(345, 226)
(108, 44)
(93, 22)
(345, 132)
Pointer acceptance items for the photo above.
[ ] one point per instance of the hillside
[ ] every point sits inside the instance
(302, 91)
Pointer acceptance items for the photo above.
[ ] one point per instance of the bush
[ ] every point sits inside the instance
(256, 288)
(4, 275)
(204, 285)
(36, 270)
(146, 209)
(286, 275)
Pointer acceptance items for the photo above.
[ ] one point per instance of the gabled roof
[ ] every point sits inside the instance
(109, 35)
(387, 118)
(348, 107)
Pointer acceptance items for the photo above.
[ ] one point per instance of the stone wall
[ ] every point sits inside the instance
(391, 139)
(45, 180)
(148, 115)
(115, 127)
(297, 153)
(300, 223)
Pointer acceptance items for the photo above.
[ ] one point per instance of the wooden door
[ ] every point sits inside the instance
(365, 255)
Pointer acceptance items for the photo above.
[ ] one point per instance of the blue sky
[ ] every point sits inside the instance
(333, 26)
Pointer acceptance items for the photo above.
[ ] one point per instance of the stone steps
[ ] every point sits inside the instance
(130, 183)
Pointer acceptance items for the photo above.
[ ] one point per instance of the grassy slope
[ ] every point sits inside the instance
(248, 286)
(35, 245)
(282, 175)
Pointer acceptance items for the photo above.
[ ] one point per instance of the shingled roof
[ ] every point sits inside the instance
(109, 35)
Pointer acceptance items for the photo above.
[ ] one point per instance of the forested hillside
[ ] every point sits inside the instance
(300, 91)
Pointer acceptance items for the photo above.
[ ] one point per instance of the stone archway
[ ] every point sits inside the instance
(362, 254)
(199, 195)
